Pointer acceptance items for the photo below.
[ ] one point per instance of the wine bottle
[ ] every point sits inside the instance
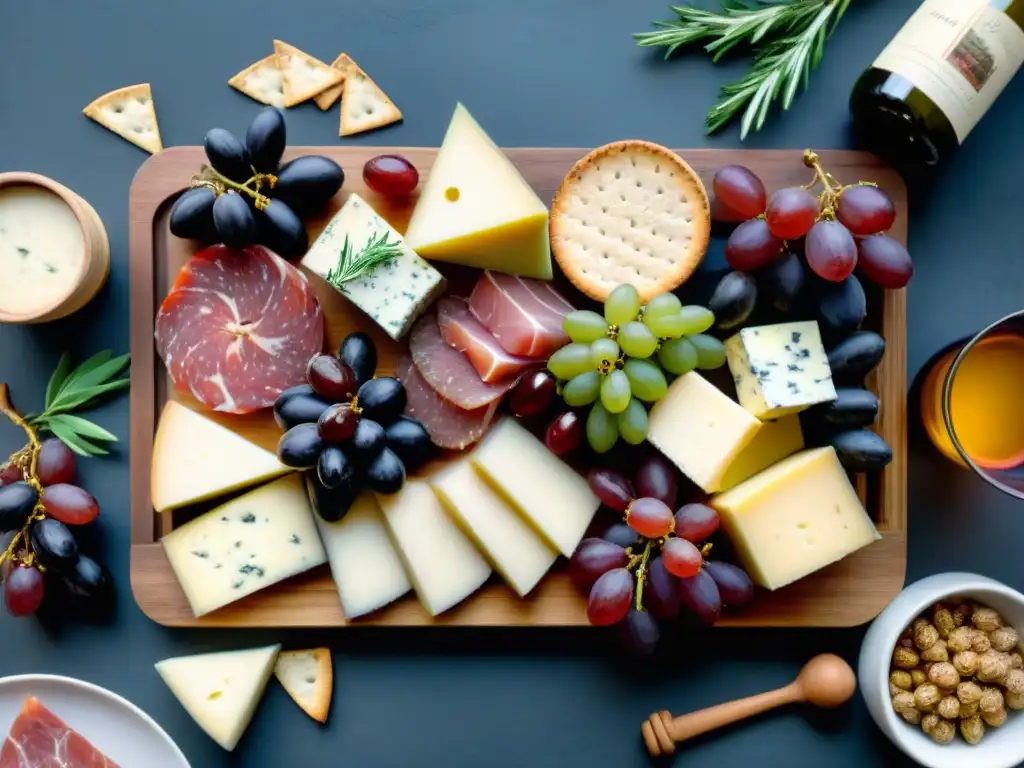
(937, 78)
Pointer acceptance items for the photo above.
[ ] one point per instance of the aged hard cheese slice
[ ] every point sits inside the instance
(195, 459)
(220, 690)
(780, 369)
(129, 113)
(243, 546)
(308, 676)
(325, 99)
(261, 81)
(442, 564)
(364, 106)
(514, 548)
(773, 442)
(395, 293)
(549, 495)
(700, 429)
(476, 209)
(794, 518)
(364, 562)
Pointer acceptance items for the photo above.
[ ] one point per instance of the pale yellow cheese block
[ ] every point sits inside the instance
(773, 442)
(303, 76)
(476, 209)
(129, 112)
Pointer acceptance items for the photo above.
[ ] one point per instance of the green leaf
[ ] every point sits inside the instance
(57, 378)
(76, 399)
(79, 445)
(102, 373)
(96, 360)
(83, 427)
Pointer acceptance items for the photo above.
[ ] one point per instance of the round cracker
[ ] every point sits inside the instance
(630, 212)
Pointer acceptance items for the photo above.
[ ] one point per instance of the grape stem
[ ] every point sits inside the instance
(831, 188)
(219, 183)
(641, 575)
(27, 459)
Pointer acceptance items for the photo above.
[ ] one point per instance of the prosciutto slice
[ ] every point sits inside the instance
(465, 333)
(447, 425)
(40, 739)
(238, 328)
(524, 315)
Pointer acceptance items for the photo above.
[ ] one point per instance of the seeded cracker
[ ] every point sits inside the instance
(630, 212)
(325, 99)
(364, 106)
(129, 113)
(304, 76)
(261, 81)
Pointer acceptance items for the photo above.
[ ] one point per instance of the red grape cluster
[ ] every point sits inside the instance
(36, 539)
(647, 568)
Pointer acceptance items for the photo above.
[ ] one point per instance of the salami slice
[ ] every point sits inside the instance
(238, 328)
(448, 426)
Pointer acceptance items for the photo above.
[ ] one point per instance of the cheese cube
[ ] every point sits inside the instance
(773, 442)
(476, 209)
(780, 369)
(442, 564)
(794, 518)
(700, 429)
(245, 545)
(364, 562)
(549, 494)
(395, 293)
(508, 541)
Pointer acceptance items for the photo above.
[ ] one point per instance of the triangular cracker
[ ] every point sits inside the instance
(308, 676)
(364, 106)
(326, 99)
(261, 81)
(304, 76)
(129, 113)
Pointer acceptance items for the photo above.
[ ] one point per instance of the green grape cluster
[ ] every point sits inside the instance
(617, 363)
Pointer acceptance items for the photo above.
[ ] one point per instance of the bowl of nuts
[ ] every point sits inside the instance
(942, 672)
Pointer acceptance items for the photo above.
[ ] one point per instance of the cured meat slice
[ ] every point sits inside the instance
(449, 371)
(40, 739)
(524, 315)
(448, 426)
(238, 328)
(465, 333)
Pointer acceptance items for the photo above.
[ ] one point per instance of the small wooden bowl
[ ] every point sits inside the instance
(95, 265)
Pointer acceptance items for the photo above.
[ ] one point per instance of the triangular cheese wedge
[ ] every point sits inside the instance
(304, 75)
(220, 690)
(195, 459)
(129, 113)
(325, 99)
(308, 676)
(477, 210)
(364, 106)
(261, 81)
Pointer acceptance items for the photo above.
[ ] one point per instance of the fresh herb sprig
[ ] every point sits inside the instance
(377, 251)
(788, 39)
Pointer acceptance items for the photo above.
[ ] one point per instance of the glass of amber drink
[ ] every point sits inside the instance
(972, 404)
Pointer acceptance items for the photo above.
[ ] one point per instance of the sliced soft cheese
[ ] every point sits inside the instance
(364, 562)
(794, 518)
(773, 442)
(549, 495)
(245, 545)
(308, 676)
(195, 459)
(780, 369)
(220, 690)
(700, 429)
(514, 548)
(441, 562)
(477, 209)
(395, 293)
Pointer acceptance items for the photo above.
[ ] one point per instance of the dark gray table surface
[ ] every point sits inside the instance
(535, 73)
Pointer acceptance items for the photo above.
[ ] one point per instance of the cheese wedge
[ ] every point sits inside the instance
(308, 676)
(364, 106)
(261, 81)
(325, 99)
(543, 489)
(476, 209)
(514, 548)
(364, 562)
(195, 459)
(442, 564)
(773, 442)
(129, 112)
(303, 76)
(220, 690)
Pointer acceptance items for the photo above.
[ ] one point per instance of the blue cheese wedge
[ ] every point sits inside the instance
(395, 293)
(245, 545)
(780, 369)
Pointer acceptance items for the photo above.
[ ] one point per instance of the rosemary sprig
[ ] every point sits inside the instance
(377, 251)
(788, 38)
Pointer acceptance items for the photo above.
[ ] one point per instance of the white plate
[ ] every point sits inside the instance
(113, 725)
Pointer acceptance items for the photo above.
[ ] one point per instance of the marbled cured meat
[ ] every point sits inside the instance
(40, 739)
(524, 315)
(238, 328)
(465, 333)
(447, 425)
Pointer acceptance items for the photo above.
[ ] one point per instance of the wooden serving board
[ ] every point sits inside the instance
(848, 593)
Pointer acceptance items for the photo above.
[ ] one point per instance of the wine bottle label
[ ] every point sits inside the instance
(959, 53)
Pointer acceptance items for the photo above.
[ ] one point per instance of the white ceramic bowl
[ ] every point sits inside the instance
(1001, 747)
